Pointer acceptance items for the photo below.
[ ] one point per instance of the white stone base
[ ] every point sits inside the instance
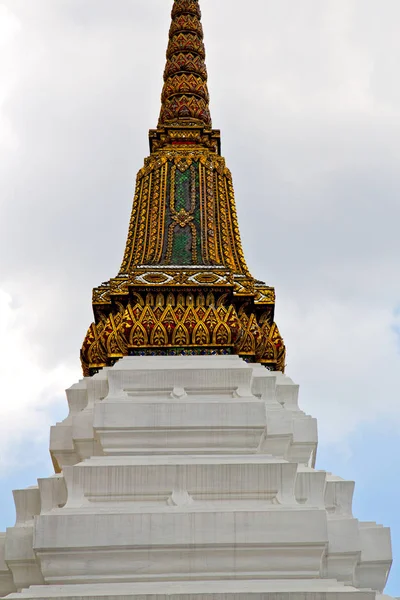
(189, 478)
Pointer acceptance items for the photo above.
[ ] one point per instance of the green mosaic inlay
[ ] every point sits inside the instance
(185, 247)
(182, 246)
(198, 229)
(182, 190)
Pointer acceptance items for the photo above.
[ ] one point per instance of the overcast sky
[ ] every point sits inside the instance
(307, 95)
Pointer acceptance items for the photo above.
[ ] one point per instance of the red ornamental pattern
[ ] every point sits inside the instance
(185, 107)
(185, 62)
(185, 94)
(185, 84)
(186, 6)
(169, 326)
(186, 23)
(186, 42)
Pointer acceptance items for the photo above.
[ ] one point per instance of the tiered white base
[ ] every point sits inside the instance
(189, 478)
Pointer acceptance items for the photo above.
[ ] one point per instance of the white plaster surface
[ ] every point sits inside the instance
(189, 478)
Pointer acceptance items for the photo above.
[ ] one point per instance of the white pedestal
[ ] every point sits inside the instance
(189, 478)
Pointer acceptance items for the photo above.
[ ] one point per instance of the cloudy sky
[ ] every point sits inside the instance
(307, 95)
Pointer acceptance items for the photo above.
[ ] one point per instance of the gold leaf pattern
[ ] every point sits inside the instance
(174, 325)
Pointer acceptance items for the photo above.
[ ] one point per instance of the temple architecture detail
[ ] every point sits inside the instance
(184, 287)
(185, 469)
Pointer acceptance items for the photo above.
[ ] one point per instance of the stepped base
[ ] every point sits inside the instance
(189, 478)
(211, 590)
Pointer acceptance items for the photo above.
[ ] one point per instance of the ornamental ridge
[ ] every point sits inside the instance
(183, 286)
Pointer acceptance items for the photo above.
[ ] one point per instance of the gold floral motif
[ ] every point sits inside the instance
(181, 336)
(138, 336)
(201, 336)
(159, 336)
(222, 334)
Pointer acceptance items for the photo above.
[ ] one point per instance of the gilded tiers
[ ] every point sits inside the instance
(184, 84)
(188, 23)
(185, 95)
(185, 62)
(186, 7)
(180, 107)
(186, 42)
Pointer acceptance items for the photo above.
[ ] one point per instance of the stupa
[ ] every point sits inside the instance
(185, 469)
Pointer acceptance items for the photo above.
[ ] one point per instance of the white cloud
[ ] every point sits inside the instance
(28, 390)
(10, 27)
(347, 360)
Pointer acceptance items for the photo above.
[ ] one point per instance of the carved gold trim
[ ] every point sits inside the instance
(187, 320)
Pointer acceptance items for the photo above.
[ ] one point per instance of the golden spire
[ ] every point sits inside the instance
(184, 211)
(185, 95)
(183, 286)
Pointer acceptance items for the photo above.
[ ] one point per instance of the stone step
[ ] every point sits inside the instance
(171, 407)
(202, 590)
(180, 544)
(109, 480)
(7, 584)
(376, 556)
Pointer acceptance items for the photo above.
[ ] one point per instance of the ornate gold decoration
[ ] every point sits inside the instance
(185, 94)
(184, 286)
(214, 198)
(186, 7)
(187, 323)
(264, 295)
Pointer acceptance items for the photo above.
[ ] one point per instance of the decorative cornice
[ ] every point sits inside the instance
(187, 322)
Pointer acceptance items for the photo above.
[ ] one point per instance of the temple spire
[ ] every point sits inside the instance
(183, 286)
(185, 98)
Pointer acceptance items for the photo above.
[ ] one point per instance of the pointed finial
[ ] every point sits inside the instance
(185, 98)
